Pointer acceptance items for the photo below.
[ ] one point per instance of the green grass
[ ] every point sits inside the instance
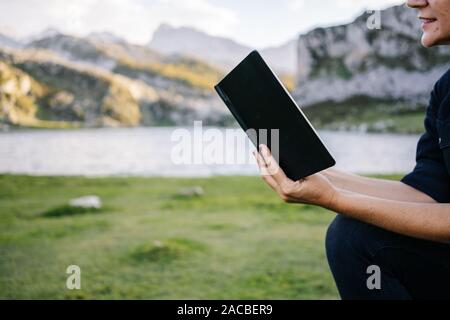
(361, 113)
(237, 241)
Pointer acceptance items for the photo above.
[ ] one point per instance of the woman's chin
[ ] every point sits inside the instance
(428, 41)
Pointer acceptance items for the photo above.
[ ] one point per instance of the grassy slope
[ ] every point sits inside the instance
(370, 115)
(191, 72)
(236, 241)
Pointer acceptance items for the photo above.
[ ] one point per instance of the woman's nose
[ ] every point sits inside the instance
(417, 3)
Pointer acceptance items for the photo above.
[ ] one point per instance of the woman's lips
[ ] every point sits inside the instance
(427, 21)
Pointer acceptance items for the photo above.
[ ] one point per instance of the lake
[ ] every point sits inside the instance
(149, 152)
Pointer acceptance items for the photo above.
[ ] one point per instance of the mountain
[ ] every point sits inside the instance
(38, 88)
(282, 58)
(220, 51)
(46, 33)
(99, 81)
(352, 62)
(348, 76)
(8, 41)
(106, 37)
(191, 42)
(131, 60)
(102, 80)
(73, 48)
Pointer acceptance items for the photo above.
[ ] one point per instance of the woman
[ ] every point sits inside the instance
(402, 227)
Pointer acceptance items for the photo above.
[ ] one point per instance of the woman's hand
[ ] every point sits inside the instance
(402, 217)
(315, 189)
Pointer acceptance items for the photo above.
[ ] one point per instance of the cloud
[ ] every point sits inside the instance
(133, 19)
(136, 20)
(197, 13)
(296, 5)
(369, 4)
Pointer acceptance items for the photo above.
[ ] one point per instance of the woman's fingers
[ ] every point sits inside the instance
(272, 169)
(267, 177)
(284, 184)
(272, 166)
(263, 166)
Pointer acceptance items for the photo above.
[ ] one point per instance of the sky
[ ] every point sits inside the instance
(251, 22)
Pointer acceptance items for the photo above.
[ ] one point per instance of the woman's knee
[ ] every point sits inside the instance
(352, 247)
(347, 237)
(338, 237)
(348, 240)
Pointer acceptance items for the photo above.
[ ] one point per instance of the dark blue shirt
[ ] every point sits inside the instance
(432, 172)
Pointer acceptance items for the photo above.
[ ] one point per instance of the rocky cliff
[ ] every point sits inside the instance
(18, 95)
(53, 89)
(343, 62)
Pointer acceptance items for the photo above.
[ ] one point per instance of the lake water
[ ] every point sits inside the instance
(149, 152)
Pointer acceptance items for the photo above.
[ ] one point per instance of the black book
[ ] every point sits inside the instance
(259, 101)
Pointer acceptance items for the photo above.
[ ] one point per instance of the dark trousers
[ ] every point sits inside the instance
(409, 268)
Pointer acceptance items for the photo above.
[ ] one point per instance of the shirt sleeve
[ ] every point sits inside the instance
(430, 173)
